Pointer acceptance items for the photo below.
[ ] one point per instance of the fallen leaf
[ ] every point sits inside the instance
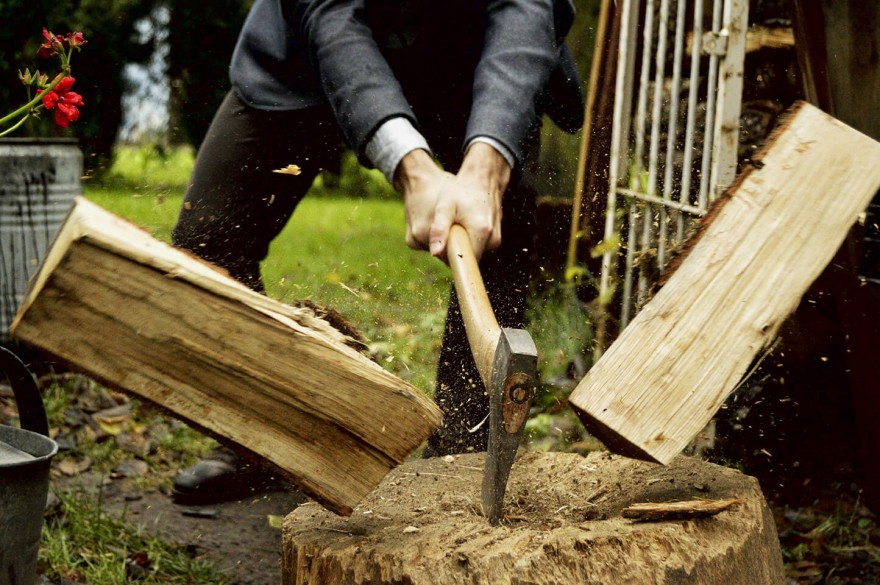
(73, 467)
(275, 521)
(113, 420)
(135, 443)
(131, 468)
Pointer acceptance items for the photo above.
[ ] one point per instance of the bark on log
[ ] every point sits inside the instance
(562, 524)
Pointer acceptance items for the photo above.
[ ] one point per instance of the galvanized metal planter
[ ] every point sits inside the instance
(39, 179)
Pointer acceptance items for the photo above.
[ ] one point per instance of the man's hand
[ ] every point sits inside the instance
(435, 199)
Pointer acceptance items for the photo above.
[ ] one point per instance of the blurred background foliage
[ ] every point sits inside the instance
(154, 72)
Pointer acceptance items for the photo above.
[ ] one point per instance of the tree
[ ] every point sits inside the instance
(201, 38)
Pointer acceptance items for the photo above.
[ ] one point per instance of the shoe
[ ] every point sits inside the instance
(222, 477)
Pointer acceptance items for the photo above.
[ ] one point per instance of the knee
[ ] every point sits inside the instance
(210, 239)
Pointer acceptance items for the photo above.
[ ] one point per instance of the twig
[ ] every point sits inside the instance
(434, 474)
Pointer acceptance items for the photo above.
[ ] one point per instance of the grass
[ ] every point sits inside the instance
(85, 544)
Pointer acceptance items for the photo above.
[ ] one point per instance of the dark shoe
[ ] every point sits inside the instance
(222, 477)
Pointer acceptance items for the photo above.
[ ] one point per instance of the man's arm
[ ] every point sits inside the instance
(521, 50)
(355, 77)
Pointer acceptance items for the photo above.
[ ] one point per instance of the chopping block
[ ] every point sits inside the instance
(563, 523)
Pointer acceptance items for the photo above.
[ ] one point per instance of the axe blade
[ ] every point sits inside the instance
(511, 392)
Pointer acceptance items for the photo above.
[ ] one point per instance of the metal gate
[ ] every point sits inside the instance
(675, 132)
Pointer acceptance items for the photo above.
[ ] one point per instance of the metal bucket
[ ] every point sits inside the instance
(39, 179)
(25, 456)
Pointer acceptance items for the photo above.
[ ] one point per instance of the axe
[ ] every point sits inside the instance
(507, 361)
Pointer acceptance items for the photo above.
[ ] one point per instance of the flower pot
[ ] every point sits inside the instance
(39, 179)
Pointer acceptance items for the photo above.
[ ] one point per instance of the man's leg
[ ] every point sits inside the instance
(234, 207)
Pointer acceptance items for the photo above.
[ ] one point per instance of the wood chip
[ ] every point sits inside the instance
(657, 512)
(289, 170)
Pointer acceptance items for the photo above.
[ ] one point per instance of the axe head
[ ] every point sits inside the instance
(512, 388)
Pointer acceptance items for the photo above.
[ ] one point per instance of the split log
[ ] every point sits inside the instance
(778, 227)
(152, 320)
(563, 524)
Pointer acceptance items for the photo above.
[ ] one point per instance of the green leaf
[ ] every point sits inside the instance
(610, 246)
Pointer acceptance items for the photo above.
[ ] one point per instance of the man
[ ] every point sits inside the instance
(402, 83)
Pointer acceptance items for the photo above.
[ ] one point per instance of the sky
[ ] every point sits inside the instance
(146, 103)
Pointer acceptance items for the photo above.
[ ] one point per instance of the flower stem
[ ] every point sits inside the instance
(27, 107)
(12, 128)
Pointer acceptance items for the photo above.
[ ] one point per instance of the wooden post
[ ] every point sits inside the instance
(839, 56)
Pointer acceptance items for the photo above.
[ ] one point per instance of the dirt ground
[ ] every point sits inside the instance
(243, 538)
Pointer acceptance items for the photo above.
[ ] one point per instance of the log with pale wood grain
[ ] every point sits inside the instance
(275, 380)
(775, 231)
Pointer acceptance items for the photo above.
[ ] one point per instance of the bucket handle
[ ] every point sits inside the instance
(31, 414)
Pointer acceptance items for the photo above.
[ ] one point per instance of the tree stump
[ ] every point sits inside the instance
(562, 524)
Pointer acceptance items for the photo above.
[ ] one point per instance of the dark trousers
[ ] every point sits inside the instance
(235, 206)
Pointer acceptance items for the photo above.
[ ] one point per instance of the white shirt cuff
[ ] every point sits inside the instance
(394, 139)
(502, 150)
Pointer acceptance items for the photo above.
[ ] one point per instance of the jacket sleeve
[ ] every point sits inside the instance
(521, 49)
(355, 77)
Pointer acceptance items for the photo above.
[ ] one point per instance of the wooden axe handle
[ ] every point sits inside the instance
(479, 319)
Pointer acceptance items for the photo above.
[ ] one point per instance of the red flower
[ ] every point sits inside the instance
(75, 39)
(53, 46)
(64, 102)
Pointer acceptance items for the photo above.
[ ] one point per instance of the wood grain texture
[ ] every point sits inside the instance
(779, 227)
(148, 319)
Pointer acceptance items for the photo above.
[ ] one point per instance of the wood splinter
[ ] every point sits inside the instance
(658, 512)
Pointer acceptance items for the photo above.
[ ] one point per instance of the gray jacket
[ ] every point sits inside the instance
(371, 59)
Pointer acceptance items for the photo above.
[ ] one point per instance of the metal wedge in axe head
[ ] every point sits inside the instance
(507, 361)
